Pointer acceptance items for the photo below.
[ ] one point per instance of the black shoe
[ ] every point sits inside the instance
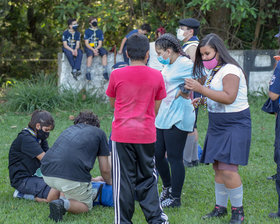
(273, 177)
(78, 73)
(88, 76)
(218, 211)
(171, 202)
(274, 215)
(166, 193)
(74, 74)
(188, 164)
(57, 210)
(237, 215)
(105, 75)
(195, 162)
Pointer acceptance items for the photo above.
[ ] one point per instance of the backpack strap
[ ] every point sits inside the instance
(100, 193)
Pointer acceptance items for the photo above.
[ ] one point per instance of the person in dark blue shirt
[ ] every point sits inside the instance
(93, 47)
(144, 29)
(71, 47)
(274, 93)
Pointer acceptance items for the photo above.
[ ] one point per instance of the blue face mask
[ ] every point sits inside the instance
(163, 61)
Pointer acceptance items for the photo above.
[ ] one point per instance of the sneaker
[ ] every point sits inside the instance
(218, 211)
(78, 73)
(166, 193)
(88, 76)
(171, 202)
(57, 210)
(273, 177)
(237, 215)
(274, 215)
(105, 75)
(18, 194)
(188, 164)
(74, 74)
(195, 162)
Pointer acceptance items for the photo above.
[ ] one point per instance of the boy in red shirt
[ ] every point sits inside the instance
(135, 92)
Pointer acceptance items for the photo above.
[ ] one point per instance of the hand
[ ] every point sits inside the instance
(97, 179)
(75, 52)
(196, 102)
(95, 51)
(119, 52)
(193, 85)
(184, 95)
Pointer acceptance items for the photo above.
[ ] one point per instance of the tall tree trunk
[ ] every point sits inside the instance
(258, 25)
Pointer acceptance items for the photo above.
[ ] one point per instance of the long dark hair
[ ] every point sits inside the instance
(215, 42)
(168, 40)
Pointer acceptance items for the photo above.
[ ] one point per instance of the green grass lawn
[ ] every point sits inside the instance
(198, 197)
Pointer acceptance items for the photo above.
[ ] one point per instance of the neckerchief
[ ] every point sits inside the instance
(32, 133)
(193, 39)
(207, 85)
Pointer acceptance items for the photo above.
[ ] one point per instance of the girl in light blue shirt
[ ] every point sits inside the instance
(174, 121)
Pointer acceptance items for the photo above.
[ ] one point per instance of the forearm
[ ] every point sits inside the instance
(99, 45)
(67, 47)
(107, 177)
(218, 96)
(273, 96)
(77, 45)
(122, 44)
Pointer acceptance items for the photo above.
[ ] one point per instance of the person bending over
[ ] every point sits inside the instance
(67, 165)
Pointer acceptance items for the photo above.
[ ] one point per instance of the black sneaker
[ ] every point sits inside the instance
(274, 215)
(105, 75)
(171, 202)
(166, 193)
(195, 162)
(218, 211)
(88, 76)
(74, 74)
(237, 215)
(188, 164)
(57, 210)
(78, 73)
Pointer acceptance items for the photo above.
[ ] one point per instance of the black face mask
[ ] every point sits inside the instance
(94, 23)
(42, 134)
(75, 27)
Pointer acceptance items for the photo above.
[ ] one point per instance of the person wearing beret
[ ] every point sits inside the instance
(188, 29)
(187, 32)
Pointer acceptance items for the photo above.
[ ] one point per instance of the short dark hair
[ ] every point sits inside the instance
(87, 117)
(195, 30)
(137, 46)
(91, 18)
(215, 42)
(70, 21)
(146, 27)
(43, 117)
(168, 40)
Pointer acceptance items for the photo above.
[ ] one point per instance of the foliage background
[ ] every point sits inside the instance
(32, 29)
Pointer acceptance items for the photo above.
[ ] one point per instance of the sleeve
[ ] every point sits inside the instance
(274, 85)
(111, 90)
(232, 69)
(86, 35)
(64, 37)
(130, 33)
(103, 146)
(45, 145)
(30, 146)
(161, 92)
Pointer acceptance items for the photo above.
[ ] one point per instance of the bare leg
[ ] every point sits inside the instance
(53, 195)
(104, 60)
(77, 207)
(89, 61)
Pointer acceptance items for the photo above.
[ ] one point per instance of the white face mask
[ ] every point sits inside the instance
(180, 34)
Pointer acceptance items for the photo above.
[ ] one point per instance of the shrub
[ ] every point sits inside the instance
(42, 93)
